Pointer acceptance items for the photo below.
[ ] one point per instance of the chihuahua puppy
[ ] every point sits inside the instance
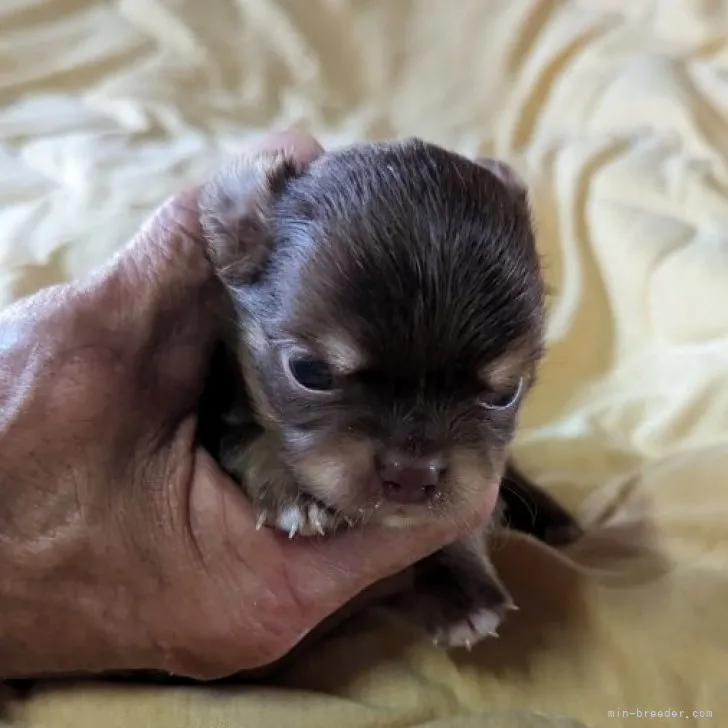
(387, 320)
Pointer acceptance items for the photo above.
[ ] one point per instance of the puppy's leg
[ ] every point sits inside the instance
(269, 483)
(457, 594)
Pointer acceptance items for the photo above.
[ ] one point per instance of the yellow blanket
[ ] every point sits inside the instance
(615, 111)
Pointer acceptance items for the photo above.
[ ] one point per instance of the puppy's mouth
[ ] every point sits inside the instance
(403, 496)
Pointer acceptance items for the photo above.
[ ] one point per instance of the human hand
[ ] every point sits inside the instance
(123, 546)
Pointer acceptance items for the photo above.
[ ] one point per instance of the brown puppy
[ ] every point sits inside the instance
(387, 322)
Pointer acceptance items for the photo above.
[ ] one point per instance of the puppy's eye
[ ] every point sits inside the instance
(503, 400)
(311, 374)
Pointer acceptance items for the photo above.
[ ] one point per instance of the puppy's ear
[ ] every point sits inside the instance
(507, 175)
(235, 211)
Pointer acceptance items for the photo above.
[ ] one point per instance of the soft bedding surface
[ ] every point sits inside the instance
(616, 112)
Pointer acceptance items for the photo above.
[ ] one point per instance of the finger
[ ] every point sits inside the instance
(300, 144)
(167, 257)
(381, 590)
(162, 300)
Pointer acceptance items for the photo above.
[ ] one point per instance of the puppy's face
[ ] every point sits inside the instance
(391, 311)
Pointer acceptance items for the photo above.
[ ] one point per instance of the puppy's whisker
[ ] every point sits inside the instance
(532, 507)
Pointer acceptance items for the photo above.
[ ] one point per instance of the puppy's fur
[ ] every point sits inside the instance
(387, 306)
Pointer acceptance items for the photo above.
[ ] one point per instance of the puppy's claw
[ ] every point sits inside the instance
(306, 518)
(316, 523)
(260, 522)
(470, 630)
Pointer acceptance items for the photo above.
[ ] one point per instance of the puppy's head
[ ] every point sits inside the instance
(391, 318)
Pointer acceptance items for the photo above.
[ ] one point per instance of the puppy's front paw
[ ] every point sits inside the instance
(459, 597)
(280, 503)
(468, 630)
(305, 517)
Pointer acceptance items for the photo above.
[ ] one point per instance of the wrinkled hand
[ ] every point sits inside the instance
(122, 545)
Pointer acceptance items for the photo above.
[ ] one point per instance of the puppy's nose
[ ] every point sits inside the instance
(411, 481)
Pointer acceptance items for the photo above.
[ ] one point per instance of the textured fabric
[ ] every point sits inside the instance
(615, 111)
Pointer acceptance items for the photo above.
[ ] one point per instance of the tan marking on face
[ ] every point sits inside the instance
(473, 474)
(507, 369)
(342, 353)
(336, 470)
